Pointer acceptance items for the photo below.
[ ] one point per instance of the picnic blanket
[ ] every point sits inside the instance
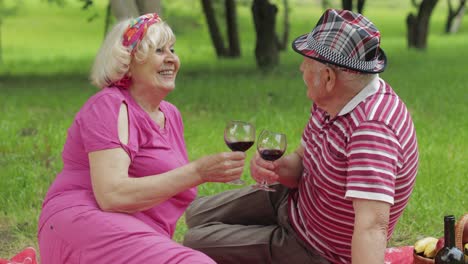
(27, 256)
(399, 255)
(394, 255)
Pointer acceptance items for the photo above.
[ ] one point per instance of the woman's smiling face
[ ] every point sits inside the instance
(158, 71)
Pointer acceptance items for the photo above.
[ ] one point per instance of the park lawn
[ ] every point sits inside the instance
(48, 50)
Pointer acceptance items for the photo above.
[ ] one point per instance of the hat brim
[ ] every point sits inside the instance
(299, 45)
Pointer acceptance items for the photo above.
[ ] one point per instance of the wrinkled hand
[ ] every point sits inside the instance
(262, 170)
(221, 167)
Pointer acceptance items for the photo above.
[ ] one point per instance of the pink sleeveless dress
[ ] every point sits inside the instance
(72, 228)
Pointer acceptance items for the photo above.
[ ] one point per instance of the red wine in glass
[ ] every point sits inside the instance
(271, 154)
(240, 145)
(239, 136)
(271, 146)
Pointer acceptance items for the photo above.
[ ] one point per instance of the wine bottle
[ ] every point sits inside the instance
(449, 254)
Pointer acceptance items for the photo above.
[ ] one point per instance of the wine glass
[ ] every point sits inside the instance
(239, 136)
(271, 146)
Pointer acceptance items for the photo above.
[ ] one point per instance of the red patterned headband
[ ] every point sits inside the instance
(137, 29)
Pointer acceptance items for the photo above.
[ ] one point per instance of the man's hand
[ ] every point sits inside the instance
(286, 170)
(262, 170)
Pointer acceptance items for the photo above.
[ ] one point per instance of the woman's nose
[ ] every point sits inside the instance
(170, 56)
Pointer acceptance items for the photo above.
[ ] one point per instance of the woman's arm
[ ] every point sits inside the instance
(116, 191)
(370, 231)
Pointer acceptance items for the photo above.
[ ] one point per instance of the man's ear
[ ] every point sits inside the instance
(330, 79)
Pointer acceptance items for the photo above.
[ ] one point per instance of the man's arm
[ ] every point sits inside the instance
(370, 231)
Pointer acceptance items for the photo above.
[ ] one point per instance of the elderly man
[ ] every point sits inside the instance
(342, 191)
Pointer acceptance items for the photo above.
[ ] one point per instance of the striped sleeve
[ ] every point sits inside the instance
(373, 154)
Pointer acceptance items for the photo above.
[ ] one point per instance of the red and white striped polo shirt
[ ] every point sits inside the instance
(369, 150)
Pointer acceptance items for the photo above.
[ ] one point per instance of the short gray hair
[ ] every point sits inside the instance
(351, 77)
(112, 62)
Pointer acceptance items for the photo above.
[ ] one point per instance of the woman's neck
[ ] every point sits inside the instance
(148, 100)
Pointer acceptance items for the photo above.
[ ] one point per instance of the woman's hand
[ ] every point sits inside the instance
(221, 167)
(262, 170)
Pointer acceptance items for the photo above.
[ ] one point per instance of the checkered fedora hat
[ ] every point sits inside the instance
(344, 39)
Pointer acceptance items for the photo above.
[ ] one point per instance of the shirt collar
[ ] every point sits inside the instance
(371, 88)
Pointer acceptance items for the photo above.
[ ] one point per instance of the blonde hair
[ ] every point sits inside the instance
(113, 59)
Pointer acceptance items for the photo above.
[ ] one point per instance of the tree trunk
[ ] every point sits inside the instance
(457, 21)
(325, 4)
(411, 30)
(360, 6)
(266, 47)
(283, 43)
(1, 46)
(124, 9)
(231, 23)
(149, 6)
(215, 34)
(107, 19)
(347, 4)
(418, 26)
(2, 10)
(454, 17)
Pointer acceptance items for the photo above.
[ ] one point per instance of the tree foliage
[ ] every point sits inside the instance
(221, 19)
(6, 11)
(58, 2)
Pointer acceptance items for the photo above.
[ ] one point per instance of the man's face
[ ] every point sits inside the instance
(312, 73)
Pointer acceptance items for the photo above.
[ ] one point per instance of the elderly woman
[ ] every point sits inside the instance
(126, 178)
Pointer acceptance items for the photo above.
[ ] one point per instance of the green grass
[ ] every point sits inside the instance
(43, 82)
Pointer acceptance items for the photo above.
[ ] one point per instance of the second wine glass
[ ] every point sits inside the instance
(271, 146)
(239, 136)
